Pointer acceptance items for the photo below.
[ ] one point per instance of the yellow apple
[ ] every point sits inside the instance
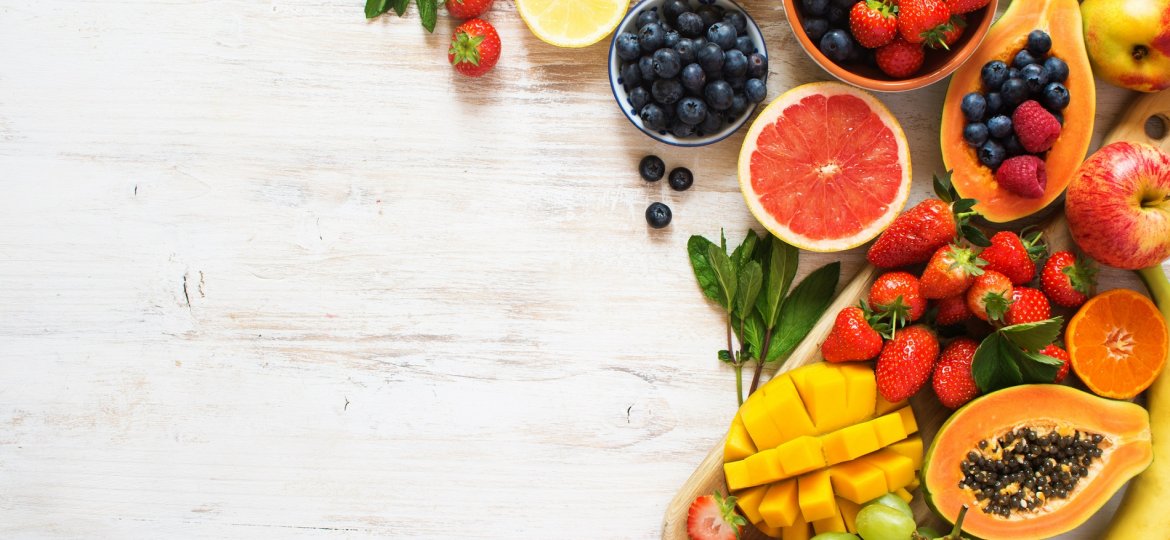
(1129, 42)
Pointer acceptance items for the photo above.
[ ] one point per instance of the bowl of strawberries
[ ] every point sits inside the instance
(890, 45)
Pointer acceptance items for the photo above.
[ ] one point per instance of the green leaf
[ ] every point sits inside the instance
(743, 253)
(725, 356)
(400, 6)
(1036, 367)
(750, 278)
(375, 8)
(697, 249)
(722, 240)
(994, 365)
(428, 12)
(753, 334)
(1033, 336)
(782, 263)
(724, 276)
(802, 308)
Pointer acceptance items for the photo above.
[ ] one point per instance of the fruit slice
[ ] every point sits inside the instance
(572, 23)
(825, 167)
(1113, 438)
(1062, 20)
(1117, 343)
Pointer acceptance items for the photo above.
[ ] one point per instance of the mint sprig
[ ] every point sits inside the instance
(1010, 356)
(428, 10)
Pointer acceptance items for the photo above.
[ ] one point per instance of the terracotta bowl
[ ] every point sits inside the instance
(936, 67)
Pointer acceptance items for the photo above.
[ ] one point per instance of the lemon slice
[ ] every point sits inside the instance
(572, 23)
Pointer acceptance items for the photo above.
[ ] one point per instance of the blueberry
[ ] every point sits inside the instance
(653, 117)
(860, 55)
(1011, 145)
(658, 215)
(681, 179)
(681, 129)
(666, 63)
(691, 110)
(651, 168)
(719, 95)
(1014, 92)
(1013, 73)
(837, 45)
(974, 106)
(711, 58)
(838, 16)
(1055, 96)
(739, 105)
(994, 103)
(639, 97)
(646, 17)
(755, 90)
(646, 66)
(737, 20)
(975, 133)
(700, 41)
(844, 4)
(992, 154)
(735, 64)
(686, 51)
(744, 45)
(721, 34)
(999, 126)
(693, 77)
(757, 65)
(711, 14)
(1023, 58)
(711, 124)
(1059, 117)
(627, 46)
(1057, 69)
(1038, 43)
(815, 28)
(1035, 77)
(690, 24)
(673, 8)
(737, 83)
(651, 37)
(666, 91)
(672, 37)
(814, 8)
(631, 76)
(994, 73)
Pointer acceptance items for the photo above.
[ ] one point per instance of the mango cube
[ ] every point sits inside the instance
(769, 531)
(888, 428)
(815, 495)
(858, 481)
(830, 524)
(763, 468)
(758, 421)
(822, 389)
(738, 444)
(748, 502)
(849, 443)
(800, 455)
(780, 507)
(904, 495)
(908, 421)
(860, 391)
(910, 447)
(884, 406)
(849, 510)
(798, 531)
(737, 475)
(899, 469)
(788, 412)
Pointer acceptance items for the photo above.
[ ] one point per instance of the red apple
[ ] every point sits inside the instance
(1118, 205)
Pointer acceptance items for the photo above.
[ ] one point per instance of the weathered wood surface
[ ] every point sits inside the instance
(269, 270)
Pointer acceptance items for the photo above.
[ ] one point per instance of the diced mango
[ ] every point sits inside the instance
(908, 421)
(763, 468)
(800, 455)
(910, 447)
(738, 444)
(913, 485)
(860, 391)
(815, 495)
(822, 389)
(849, 511)
(888, 428)
(788, 412)
(769, 531)
(830, 524)
(737, 475)
(884, 406)
(899, 469)
(858, 481)
(780, 506)
(849, 443)
(798, 531)
(758, 421)
(904, 495)
(748, 502)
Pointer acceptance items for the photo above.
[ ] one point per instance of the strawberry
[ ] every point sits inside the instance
(965, 6)
(916, 234)
(897, 294)
(713, 517)
(951, 35)
(1014, 257)
(475, 48)
(873, 23)
(1059, 354)
(1067, 279)
(853, 337)
(468, 9)
(900, 58)
(989, 297)
(952, 310)
(1028, 305)
(950, 272)
(906, 362)
(953, 382)
(923, 21)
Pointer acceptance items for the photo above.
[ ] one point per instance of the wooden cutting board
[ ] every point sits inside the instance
(1147, 120)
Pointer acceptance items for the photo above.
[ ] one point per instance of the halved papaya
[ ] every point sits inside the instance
(1062, 20)
(1034, 461)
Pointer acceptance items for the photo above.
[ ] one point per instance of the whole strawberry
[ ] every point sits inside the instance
(953, 382)
(852, 339)
(1013, 256)
(1028, 305)
(475, 48)
(922, 21)
(952, 310)
(897, 294)
(990, 295)
(952, 34)
(965, 6)
(1067, 280)
(873, 23)
(468, 9)
(713, 517)
(1059, 354)
(900, 58)
(950, 272)
(917, 233)
(906, 363)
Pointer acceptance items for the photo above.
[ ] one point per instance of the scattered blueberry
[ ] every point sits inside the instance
(1057, 69)
(666, 63)
(815, 28)
(691, 110)
(974, 106)
(651, 168)
(711, 58)
(686, 51)
(627, 46)
(992, 154)
(721, 34)
(994, 73)
(1014, 92)
(658, 215)
(975, 133)
(1022, 59)
(1039, 42)
(1035, 77)
(666, 91)
(681, 179)
(631, 76)
(735, 63)
(646, 17)
(690, 24)
(672, 9)
(719, 95)
(994, 103)
(757, 65)
(999, 126)
(651, 37)
(639, 97)
(1055, 97)
(837, 45)
(737, 20)
(814, 8)
(755, 90)
(693, 77)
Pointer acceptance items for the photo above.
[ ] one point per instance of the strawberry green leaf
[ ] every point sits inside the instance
(1033, 336)
(428, 12)
(697, 249)
(1036, 367)
(724, 276)
(993, 365)
(375, 8)
(781, 269)
(803, 308)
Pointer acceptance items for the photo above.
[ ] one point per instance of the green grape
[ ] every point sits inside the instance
(880, 522)
(893, 501)
(835, 536)
(927, 532)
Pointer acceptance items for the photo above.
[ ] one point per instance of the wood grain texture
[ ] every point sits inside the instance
(270, 270)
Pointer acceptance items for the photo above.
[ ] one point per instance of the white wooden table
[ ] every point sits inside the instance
(268, 270)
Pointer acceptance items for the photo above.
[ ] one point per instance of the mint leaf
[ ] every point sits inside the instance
(782, 262)
(994, 364)
(428, 12)
(725, 356)
(751, 277)
(697, 249)
(724, 276)
(753, 334)
(743, 253)
(400, 6)
(375, 8)
(1036, 367)
(802, 308)
(1033, 336)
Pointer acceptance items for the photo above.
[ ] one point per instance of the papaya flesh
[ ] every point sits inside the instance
(1034, 461)
(1062, 20)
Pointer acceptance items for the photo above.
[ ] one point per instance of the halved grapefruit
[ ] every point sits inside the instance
(825, 167)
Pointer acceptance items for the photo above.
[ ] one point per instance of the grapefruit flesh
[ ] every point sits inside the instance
(825, 167)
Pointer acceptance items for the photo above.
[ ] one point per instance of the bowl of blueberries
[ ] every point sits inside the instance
(688, 72)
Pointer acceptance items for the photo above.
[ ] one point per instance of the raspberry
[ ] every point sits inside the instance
(1023, 175)
(1036, 128)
